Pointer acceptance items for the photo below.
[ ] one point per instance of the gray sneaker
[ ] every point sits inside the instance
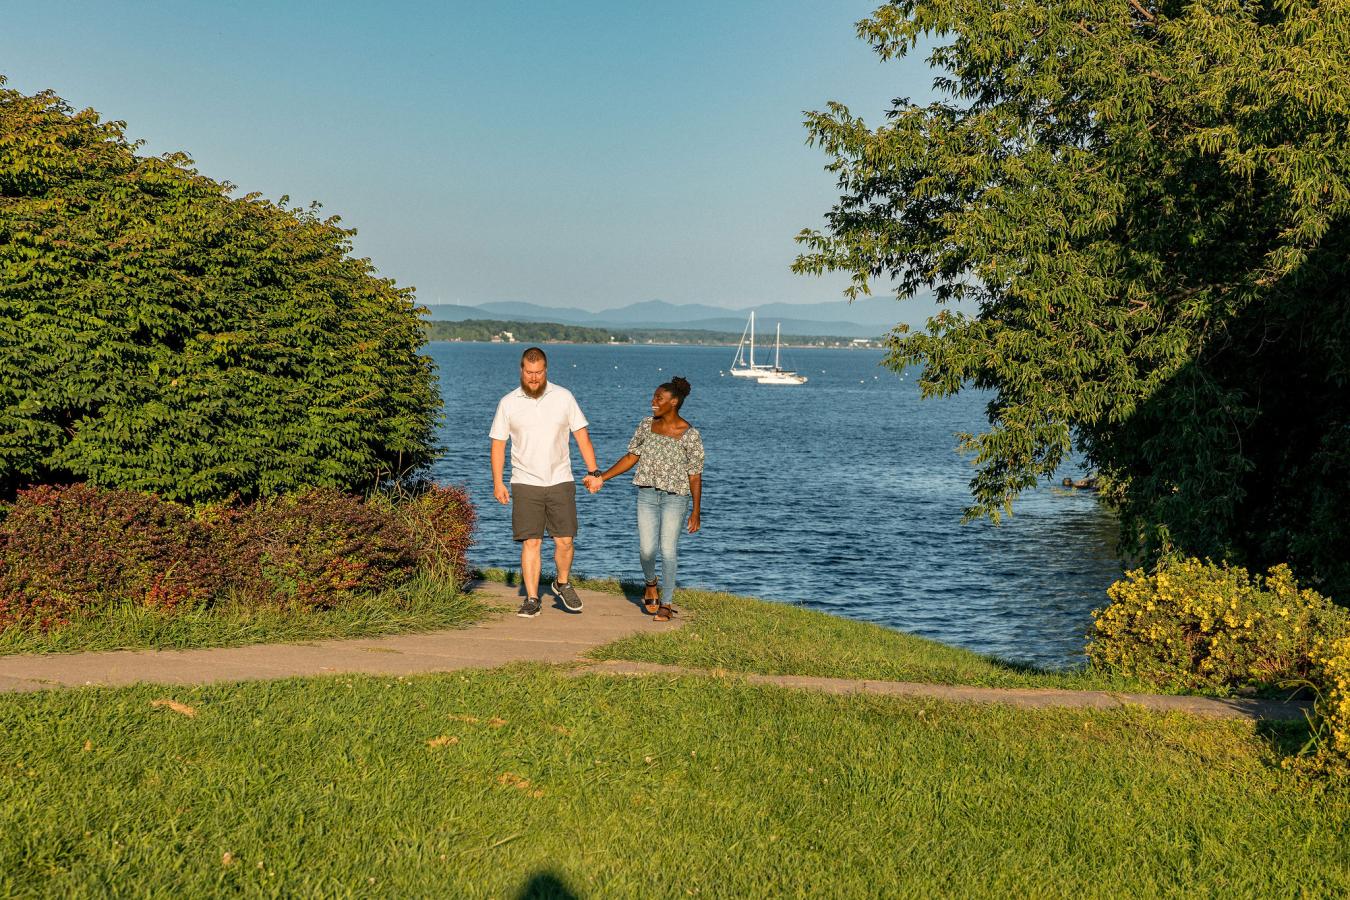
(529, 609)
(568, 595)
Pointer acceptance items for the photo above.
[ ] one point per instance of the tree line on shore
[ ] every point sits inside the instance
(556, 332)
(527, 332)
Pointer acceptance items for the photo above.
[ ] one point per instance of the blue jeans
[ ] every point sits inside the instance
(660, 518)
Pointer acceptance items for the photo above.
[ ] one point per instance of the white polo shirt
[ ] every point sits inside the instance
(540, 432)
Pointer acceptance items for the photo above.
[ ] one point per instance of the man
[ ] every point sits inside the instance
(537, 418)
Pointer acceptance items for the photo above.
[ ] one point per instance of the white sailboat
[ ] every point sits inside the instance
(779, 375)
(739, 366)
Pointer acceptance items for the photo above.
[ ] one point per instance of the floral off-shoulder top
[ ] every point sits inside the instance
(664, 462)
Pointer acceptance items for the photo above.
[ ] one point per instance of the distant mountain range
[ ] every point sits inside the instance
(870, 317)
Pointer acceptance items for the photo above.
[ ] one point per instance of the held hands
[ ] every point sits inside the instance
(593, 483)
(501, 493)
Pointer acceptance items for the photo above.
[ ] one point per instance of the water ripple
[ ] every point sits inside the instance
(838, 495)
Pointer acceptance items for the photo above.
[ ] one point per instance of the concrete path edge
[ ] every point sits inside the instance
(1036, 698)
(555, 637)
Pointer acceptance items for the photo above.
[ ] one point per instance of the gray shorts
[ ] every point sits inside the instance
(535, 508)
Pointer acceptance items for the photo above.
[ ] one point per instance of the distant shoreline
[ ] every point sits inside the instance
(485, 331)
(870, 345)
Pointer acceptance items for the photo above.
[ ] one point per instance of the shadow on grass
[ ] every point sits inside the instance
(1285, 738)
(546, 886)
(508, 577)
(1022, 668)
(633, 591)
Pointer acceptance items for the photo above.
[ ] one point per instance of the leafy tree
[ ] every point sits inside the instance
(159, 334)
(1144, 205)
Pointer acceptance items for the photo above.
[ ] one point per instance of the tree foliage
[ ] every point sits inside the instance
(1144, 206)
(159, 334)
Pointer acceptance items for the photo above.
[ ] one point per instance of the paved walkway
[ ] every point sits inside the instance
(556, 636)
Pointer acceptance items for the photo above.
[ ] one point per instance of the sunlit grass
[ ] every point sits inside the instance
(496, 783)
(423, 604)
(742, 634)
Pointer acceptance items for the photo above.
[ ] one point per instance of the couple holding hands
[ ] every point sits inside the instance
(539, 419)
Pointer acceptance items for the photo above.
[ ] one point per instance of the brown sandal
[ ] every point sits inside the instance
(651, 604)
(663, 613)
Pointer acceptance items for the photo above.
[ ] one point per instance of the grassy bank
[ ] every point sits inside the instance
(742, 634)
(423, 604)
(497, 783)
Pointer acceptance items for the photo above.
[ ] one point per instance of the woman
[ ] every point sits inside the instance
(668, 453)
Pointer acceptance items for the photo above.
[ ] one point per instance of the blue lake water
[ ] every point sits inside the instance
(843, 494)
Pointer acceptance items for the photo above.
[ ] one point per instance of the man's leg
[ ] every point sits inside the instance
(563, 549)
(562, 525)
(530, 553)
(527, 526)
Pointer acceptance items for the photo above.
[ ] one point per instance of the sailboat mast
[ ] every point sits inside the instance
(777, 336)
(752, 338)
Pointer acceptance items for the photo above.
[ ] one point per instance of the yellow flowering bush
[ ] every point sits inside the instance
(1194, 625)
(1333, 708)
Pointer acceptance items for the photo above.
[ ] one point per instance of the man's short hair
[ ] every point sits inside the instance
(533, 355)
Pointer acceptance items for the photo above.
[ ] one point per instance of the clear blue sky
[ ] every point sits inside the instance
(585, 153)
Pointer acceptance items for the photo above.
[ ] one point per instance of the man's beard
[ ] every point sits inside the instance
(537, 392)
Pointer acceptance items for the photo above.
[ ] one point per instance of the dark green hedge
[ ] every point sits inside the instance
(159, 334)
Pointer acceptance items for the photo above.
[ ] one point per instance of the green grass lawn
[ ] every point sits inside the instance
(424, 604)
(516, 782)
(742, 634)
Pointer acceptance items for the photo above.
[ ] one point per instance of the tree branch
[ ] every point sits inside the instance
(1142, 11)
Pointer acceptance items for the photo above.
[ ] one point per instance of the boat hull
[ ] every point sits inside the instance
(782, 378)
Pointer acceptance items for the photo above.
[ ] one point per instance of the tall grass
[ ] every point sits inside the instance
(422, 604)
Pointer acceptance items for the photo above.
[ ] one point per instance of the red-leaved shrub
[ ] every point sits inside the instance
(18, 606)
(314, 549)
(72, 548)
(66, 551)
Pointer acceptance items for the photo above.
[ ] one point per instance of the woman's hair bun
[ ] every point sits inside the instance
(679, 387)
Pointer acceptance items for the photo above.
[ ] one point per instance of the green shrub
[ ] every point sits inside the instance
(441, 520)
(158, 334)
(1199, 626)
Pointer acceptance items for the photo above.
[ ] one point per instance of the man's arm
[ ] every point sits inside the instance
(626, 462)
(498, 467)
(587, 451)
